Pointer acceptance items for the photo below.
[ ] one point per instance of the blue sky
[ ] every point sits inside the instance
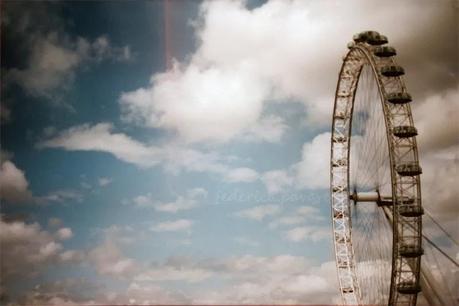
(177, 152)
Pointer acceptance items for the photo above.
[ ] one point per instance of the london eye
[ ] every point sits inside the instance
(375, 178)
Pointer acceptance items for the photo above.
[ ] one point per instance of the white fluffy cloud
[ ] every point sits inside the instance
(190, 200)
(282, 50)
(311, 172)
(313, 169)
(101, 138)
(64, 233)
(13, 183)
(259, 212)
(200, 104)
(187, 201)
(276, 180)
(242, 175)
(301, 233)
(173, 226)
(248, 279)
(286, 220)
(282, 279)
(300, 215)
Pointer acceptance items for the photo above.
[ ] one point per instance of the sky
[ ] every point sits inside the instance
(178, 151)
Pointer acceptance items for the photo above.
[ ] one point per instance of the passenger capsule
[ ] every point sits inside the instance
(399, 97)
(401, 200)
(410, 210)
(405, 131)
(411, 251)
(392, 71)
(366, 36)
(408, 169)
(359, 37)
(377, 40)
(408, 287)
(385, 51)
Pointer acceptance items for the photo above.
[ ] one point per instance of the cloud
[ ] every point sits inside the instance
(5, 113)
(60, 196)
(51, 56)
(14, 186)
(301, 215)
(313, 169)
(195, 103)
(67, 291)
(64, 233)
(308, 211)
(174, 273)
(243, 63)
(173, 226)
(435, 117)
(143, 201)
(248, 279)
(260, 212)
(439, 185)
(302, 233)
(100, 138)
(311, 172)
(104, 181)
(54, 61)
(108, 256)
(245, 241)
(28, 250)
(54, 222)
(270, 128)
(286, 220)
(277, 180)
(13, 183)
(437, 131)
(189, 200)
(147, 294)
(245, 175)
(72, 256)
(282, 279)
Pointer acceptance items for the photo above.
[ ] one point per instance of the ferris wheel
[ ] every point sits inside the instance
(375, 184)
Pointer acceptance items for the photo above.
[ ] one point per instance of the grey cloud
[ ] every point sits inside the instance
(28, 250)
(52, 57)
(14, 186)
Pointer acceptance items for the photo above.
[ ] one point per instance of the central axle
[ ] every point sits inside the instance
(371, 196)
